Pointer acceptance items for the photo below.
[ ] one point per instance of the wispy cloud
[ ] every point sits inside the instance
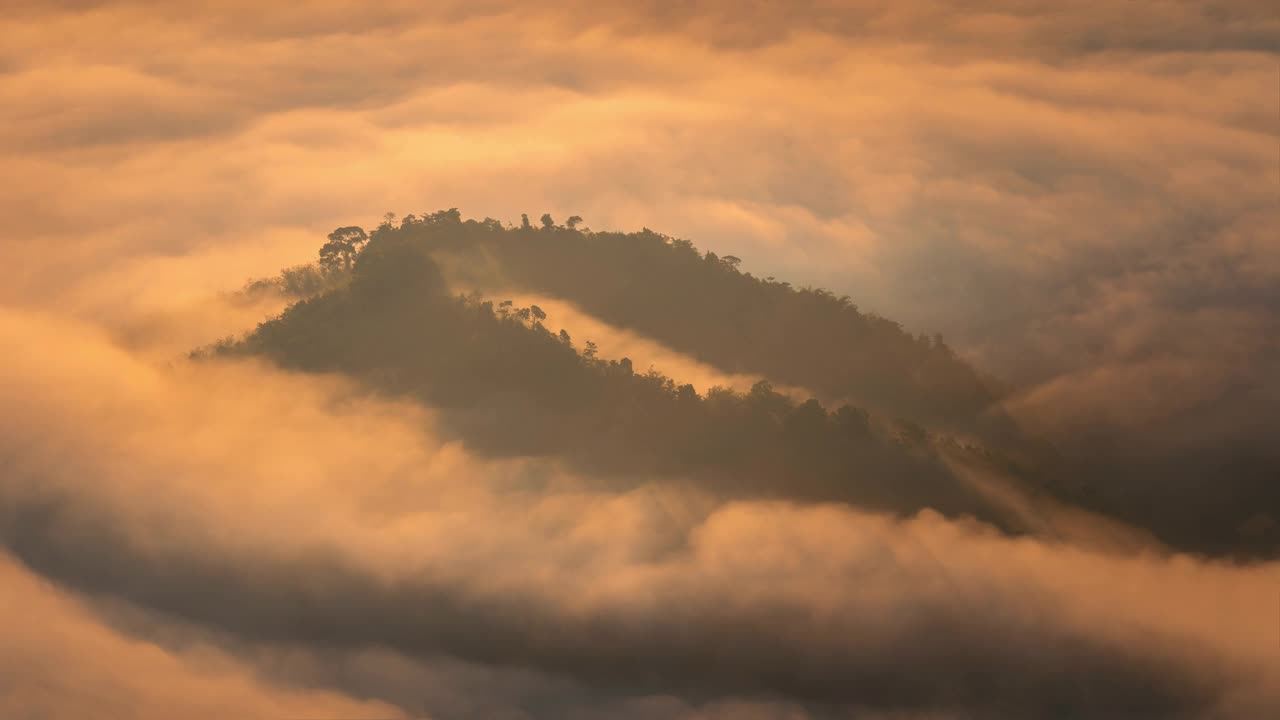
(1082, 198)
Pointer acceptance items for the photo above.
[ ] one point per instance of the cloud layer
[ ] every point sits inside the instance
(1082, 198)
(315, 537)
(60, 660)
(1079, 199)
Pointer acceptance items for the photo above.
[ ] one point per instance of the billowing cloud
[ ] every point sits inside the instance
(1069, 195)
(1081, 198)
(299, 512)
(60, 660)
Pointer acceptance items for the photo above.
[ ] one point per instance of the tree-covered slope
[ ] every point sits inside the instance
(703, 305)
(507, 384)
(900, 411)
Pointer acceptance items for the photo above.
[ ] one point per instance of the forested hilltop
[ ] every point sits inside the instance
(703, 305)
(899, 414)
(508, 384)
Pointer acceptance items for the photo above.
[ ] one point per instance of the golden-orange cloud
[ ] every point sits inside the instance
(298, 511)
(1082, 198)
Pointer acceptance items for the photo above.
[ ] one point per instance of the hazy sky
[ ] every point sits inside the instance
(1082, 197)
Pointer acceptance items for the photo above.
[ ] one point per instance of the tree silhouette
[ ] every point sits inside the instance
(340, 252)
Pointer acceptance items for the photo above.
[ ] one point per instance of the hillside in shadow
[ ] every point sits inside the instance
(898, 422)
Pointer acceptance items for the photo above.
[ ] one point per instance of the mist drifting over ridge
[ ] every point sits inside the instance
(989, 292)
